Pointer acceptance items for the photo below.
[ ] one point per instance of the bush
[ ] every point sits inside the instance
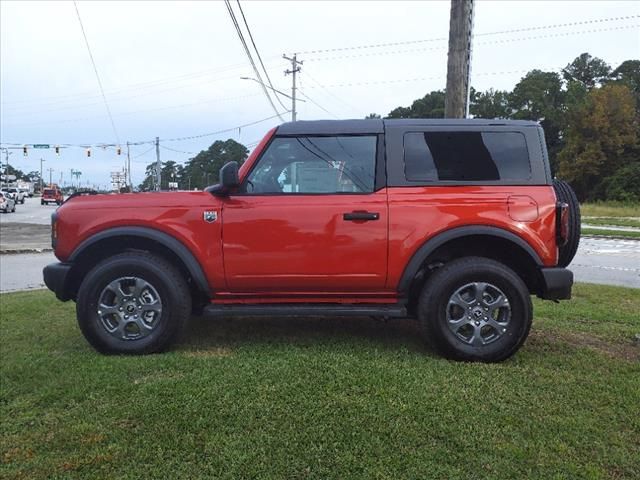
(624, 185)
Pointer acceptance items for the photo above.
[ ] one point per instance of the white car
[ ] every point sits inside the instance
(18, 195)
(7, 204)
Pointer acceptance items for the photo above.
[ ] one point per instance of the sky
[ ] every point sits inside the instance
(172, 69)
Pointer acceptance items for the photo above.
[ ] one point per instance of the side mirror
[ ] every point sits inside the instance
(229, 175)
(228, 180)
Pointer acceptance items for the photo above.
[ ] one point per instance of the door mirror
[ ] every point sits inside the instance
(229, 176)
(228, 180)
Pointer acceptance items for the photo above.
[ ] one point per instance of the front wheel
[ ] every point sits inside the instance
(133, 303)
(475, 309)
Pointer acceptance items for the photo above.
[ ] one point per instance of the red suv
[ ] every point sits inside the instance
(51, 195)
(452, 222)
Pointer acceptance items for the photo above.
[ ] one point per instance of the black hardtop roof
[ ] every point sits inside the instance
(355, 126)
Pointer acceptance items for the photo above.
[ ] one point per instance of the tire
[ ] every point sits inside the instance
(14, 208)
(41, 202)
(564, 193)
(466, 276)
(167, 286)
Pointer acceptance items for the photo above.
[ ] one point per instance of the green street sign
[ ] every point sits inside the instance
(41, 145)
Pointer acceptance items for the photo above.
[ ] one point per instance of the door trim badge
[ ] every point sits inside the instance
(209, 216)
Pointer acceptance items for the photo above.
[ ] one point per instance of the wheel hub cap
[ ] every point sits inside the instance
(129, 308)
(478, 313)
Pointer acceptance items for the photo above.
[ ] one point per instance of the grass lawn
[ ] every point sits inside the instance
(615, 221)
(598, 232)
(322, 399)
(610, 209)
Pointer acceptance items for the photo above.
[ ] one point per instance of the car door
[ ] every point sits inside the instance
(309, 218)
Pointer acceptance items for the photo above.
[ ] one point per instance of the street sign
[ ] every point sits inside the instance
(41, 145)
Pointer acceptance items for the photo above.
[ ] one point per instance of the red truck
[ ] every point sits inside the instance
(51, 195)
(452, 222)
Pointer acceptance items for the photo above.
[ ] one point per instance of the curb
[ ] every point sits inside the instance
(610, 237)
(16, 251)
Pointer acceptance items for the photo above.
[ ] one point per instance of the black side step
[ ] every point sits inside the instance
(306, 309)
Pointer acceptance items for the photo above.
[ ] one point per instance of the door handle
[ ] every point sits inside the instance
(362, 216)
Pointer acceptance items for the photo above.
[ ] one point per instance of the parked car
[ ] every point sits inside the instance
(452, 222)
(7, 204)
(18, 195)
(27, 192)
(51, 195)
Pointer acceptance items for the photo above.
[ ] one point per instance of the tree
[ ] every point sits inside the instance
(149, 182)
(372, 115)
(539, 96)
(489, 104)
(587, 70)
(601, 139)
(10, 170)
(629, 73)
(429, 106)
(202, 170)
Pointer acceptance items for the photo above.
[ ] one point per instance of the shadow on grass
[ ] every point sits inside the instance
(234, 332)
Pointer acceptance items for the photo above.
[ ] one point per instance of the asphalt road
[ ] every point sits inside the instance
(30, 212)
(611, 262)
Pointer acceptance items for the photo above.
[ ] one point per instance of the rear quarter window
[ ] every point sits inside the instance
(466, 156)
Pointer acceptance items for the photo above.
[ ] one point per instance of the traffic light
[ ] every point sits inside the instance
(24, 151)
(57, 150)
(118, 150)
(88, 152)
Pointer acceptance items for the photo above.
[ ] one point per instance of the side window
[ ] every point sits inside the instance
(466, 156)
(338, 164)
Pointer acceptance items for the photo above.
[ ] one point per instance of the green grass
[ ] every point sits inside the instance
(322, 399)
(615, 221)
(610, 233)
(610, 209)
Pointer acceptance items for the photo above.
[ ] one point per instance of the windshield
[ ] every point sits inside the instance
(49, 192)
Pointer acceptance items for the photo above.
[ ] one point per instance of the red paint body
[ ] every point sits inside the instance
(298, 248)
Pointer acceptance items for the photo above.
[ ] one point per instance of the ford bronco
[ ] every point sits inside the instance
(454, 223)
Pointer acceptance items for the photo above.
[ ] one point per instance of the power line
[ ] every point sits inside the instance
(226, 130)
(316, 103)
(144, 142)
(177, 151)
(329, 92)
(95, 69)
(501, 32)
(133, 112)
(143, 153)
(39, 110)
(444, 47)
(134, 86)
(258, 54)
(253, 65)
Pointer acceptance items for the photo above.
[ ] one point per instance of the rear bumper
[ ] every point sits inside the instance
(56, 277)
(556, 283)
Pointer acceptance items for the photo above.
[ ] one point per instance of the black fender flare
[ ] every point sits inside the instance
(418, 258)
(176, 246)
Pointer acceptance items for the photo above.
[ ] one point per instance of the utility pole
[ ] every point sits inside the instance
(456, 104)
(294, 69)
(50, 176)
(6, 171)
(41, 184)
(129, 168)
(158, 164)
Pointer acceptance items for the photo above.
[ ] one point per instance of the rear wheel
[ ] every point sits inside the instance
(133, 303)
(475, 309)
(565, 194)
